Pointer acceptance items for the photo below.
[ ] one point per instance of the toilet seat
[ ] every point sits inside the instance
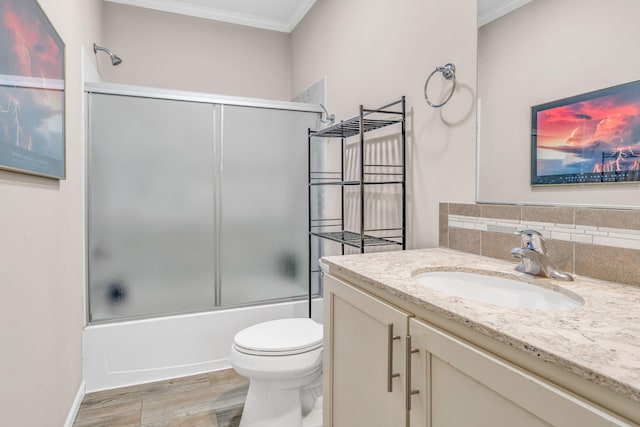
(282, 337)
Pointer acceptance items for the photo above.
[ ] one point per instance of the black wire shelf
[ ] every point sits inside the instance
(348, 183)
(351, 127)
(354, 239)
(389, 171)
(367, 121)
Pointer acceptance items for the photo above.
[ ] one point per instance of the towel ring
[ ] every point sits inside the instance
(449, 73)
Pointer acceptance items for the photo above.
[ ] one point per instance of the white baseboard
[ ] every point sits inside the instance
(73, 411)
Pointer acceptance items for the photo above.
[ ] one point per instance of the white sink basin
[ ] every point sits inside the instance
(497, 290)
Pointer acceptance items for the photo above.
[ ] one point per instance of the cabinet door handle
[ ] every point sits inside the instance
(390, 339)
(408, 353)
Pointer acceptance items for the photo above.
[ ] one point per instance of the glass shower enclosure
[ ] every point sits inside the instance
(194, 203)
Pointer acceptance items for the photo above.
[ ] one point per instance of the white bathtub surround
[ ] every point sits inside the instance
(140, 351)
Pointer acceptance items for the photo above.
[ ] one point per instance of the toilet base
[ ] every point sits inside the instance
(314, 417)
(269, 406)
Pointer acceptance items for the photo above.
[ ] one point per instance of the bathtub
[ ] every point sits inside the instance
(139, 351)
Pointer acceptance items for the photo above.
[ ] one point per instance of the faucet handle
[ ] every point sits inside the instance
(533, 239)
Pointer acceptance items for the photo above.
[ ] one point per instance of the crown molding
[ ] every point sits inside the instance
(299, 13)
(502, 9)
(224, 15)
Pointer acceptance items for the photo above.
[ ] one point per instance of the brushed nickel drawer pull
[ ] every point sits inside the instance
(390, 340)
(409, 352)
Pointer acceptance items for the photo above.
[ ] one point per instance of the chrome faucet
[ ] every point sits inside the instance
(533, 257)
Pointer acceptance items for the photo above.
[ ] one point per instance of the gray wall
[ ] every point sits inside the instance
(42, 253)
(171, 51)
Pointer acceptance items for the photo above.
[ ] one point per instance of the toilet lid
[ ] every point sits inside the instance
(280, 337)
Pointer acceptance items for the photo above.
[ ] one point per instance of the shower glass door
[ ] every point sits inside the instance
(194, 206)
(151, 207)
(263, 194)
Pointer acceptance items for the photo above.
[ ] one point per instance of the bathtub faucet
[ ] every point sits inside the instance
(533, 257)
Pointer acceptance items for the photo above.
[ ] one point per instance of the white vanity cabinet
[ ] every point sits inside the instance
(461, 385)
(364, 370)
(453, 383)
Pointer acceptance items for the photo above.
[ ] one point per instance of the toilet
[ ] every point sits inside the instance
(283, 361)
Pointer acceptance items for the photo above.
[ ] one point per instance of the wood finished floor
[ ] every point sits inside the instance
(213, 399)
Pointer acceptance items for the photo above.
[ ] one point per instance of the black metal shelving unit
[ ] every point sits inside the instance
(370, 174)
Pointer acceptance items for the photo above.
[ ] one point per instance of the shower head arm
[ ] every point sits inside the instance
(96, 48)
(115, 59)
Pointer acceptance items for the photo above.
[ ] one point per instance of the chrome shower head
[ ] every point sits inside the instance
(115, 59)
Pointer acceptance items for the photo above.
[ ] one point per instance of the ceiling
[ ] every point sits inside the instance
(281, 15)
(276, 15)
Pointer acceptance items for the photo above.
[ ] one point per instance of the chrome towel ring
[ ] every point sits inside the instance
(449, 73)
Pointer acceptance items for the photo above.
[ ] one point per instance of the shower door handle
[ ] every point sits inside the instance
(390, 339)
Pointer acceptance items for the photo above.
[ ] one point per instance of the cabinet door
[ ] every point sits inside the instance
(356, 359)
(461, 385)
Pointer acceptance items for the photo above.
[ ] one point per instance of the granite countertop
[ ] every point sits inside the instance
(599, 341)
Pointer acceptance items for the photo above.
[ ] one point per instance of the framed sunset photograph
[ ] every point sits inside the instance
(32, 135)
(589, 138)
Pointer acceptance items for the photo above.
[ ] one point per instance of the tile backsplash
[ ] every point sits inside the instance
(600, 243)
